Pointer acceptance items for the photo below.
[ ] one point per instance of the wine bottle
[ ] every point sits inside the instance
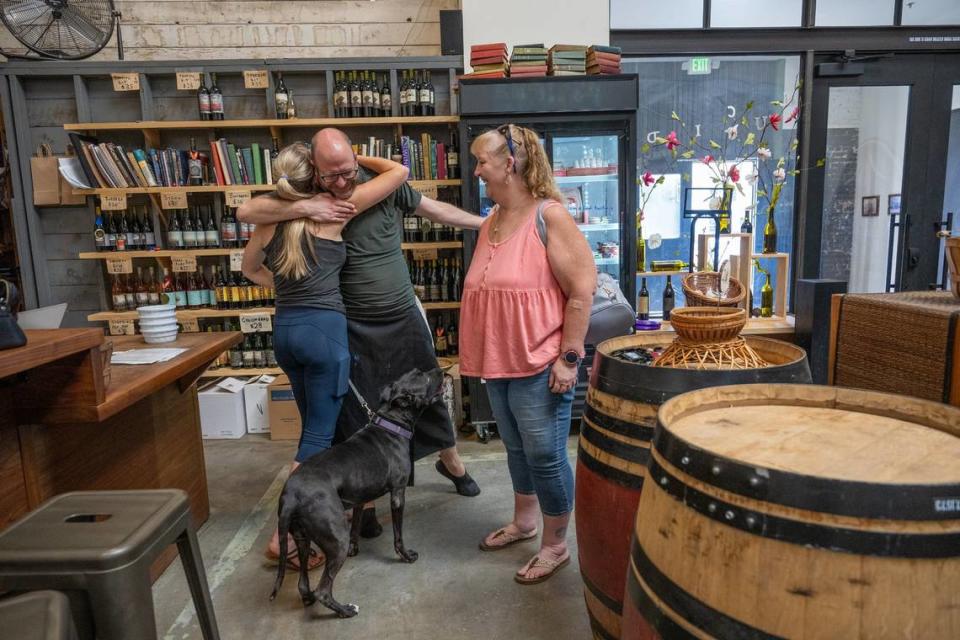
(453, 337)
(667, 265)
(341, 104)
(643, 301)
(222, 290)
(770, 233)
(641, 245)
(259, 361)
(766, 298)
(149, 237)
(211, 235)
(248, 351)
(236, 356)
(356, 96)
(130, 293)
(366, 95)
(426, 97)
(386, 98)
(268, 354)
(189, 231)
(174, 232)
(440, 336)
(228, 229)
(216, 100)
(203, 99)
(117, 294)
(404, 83)
(99, 234)
(140, 290)
(453, 158)
(120, 231)
(155, 287)
(668, 299)
(280, 97)
(746, 226)
(375, 87)
(194, 165)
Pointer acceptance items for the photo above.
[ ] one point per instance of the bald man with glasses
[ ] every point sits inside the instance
(387, 333)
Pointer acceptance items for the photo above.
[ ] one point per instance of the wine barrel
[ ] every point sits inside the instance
(615, 434)
(798, 511)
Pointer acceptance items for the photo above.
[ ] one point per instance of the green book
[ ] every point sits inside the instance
(234, 164)
(257, 163)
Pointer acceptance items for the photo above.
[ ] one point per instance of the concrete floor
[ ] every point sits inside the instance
(452, 591)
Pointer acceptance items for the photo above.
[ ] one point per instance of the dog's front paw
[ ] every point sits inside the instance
(353, 550)
(408, 555)
(349, 610)
(308, 599)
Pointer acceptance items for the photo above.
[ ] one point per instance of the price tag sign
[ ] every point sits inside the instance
(253, 322)
(126, 81)
(119, 265)
(190, 325)
(428, 190)
(236, 197)
(173, 200)
(255, 79)
(113, 201)
(181, 264)
(121, 328)
(236, 260)
(188, 80)
(424, 254)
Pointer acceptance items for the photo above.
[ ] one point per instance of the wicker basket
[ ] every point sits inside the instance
(698, 325)
(701, 289)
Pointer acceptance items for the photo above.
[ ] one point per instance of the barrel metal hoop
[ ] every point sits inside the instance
(598, 630)
(868, 543)
(823, 495)
(614, 605)
(616, 425)
(626, 451)
(709, 620)
(615, 475)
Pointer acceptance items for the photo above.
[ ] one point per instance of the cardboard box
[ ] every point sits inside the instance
(222, 413)
(255, 404)
(282, 410)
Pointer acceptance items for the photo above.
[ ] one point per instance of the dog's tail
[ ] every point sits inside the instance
(285, 515)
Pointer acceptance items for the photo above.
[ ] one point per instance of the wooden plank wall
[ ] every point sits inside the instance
(256, 29)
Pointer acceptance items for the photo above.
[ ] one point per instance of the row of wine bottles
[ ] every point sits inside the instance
(205, 288)
(446, 334)
(191, 228)
(439, 280)
(255, 351)
(365, 94)
(643, 300)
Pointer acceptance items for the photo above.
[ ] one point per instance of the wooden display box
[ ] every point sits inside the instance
(743, 269)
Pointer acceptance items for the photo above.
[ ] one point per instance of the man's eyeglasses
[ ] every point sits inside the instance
(330, 178)
(505, 132)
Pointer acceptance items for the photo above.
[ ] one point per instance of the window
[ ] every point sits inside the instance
(656, 14)
(854, 13)
(931, 12)
(755, 13)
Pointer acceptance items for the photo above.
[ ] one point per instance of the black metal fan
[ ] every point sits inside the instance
(62, 29)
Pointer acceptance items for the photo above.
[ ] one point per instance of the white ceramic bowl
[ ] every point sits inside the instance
(155, 310)
(161, 324)
(172, 328)
(158, 339)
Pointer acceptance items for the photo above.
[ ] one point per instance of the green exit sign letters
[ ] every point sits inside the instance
(699, 66)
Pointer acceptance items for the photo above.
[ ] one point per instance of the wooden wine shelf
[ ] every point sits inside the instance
(191, 314)
(416, 184)
(169, 253)
(223, 372)
(156, 125)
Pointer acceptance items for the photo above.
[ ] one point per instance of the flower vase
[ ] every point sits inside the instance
(641, 245)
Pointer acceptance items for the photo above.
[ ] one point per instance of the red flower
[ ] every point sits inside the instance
(793, 115)
(707, 159)
(775, 119)
(734, 174)
(648, 179)
(672, 142)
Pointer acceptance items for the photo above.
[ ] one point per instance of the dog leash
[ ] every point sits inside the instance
(371, 414)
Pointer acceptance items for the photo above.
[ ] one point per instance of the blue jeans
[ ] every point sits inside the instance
(311, 348)
(534, 424)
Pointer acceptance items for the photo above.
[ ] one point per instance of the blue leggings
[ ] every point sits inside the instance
(311, 348)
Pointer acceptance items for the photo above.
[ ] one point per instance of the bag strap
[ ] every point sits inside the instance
(541, 223)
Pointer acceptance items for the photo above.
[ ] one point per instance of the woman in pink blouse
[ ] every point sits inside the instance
(524, 315)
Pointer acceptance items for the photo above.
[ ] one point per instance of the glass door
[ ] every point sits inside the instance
(587, 172)
(888, 130)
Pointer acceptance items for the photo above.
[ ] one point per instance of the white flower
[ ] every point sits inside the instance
(732, 132)
(780, 174)
(752, 178)
(764, 153)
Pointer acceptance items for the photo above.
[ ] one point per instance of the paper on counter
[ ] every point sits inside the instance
(144, 356)
(72, 172)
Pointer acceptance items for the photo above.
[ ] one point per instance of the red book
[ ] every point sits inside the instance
(215, 161)
(615, 68)
(485, 74)
(488, 59)
(516, 71)
(599, 56)
(492, 46)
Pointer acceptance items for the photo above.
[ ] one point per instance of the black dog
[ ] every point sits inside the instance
(366, 466)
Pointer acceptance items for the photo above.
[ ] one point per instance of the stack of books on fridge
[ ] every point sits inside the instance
(488, 60)
(528, 60)
(603, 60)
(567, 60)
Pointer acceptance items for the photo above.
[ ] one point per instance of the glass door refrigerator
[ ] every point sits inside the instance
(587, 125)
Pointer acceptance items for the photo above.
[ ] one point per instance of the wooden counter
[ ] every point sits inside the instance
(67, 425)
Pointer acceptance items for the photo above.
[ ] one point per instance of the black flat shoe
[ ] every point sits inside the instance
(466, 486)
(369, 526)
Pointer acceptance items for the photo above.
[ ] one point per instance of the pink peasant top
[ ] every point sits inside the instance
(511, 314)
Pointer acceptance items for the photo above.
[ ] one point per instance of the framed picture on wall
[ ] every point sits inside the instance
(870, 206)
(893, 204)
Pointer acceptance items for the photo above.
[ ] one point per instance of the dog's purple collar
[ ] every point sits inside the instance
(393, 427)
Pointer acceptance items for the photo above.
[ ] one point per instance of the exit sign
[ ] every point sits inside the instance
(699, 66)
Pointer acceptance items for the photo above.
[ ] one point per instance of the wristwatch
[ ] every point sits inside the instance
(571, 358)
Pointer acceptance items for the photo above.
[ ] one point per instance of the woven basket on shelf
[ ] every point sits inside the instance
(707, 324)
(701, 289)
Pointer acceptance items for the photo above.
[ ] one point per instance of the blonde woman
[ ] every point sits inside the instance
(302, 260)
(524, 316)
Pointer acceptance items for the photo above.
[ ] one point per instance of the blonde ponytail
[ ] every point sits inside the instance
(294, 170)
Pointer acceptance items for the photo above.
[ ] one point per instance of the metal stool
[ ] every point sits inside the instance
(102, 543)
(38, 615)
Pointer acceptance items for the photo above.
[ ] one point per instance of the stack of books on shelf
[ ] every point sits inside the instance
(528, 60)
(426, 158)
(603, 60)
(233, 166)
(567, 60)
(488, 61)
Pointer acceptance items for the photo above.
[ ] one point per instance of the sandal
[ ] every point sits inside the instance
(508, 539)
(537, 561)
(315, 559)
